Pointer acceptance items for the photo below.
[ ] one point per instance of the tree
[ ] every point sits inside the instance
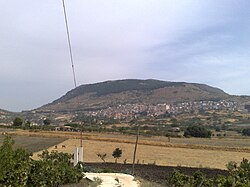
(28, 124)
(18, 121)
(46, 121)
(197, 131)
(117, 153)
(246, 132)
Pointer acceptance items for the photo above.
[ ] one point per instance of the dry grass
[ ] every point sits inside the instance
(223, 144)
(151, 154)
(193, 152)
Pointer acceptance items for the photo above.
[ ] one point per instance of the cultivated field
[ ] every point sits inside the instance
(192, 152)
(34, 143)
(214, 153)
(150, 154)
(239, 144)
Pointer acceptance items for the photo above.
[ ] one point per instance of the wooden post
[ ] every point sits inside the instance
(136, 142)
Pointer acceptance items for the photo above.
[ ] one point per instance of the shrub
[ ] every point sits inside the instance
(18, 121)
(238, 176)
(14, 164)
(246, 132)
(54, 169)
(18, 169)
(197, 131)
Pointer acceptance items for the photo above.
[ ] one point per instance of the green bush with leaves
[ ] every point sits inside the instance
(14, 165)
(239, 176)
(197, 131)
(117, 153)
(56, 169)
(18, 121)
(18, 169)
(246, 132)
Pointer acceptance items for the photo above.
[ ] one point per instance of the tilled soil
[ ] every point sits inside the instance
(154, 173)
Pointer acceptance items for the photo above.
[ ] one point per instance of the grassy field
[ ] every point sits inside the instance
(191, 152)
(149, 154)
(225, 143)
(33, 143)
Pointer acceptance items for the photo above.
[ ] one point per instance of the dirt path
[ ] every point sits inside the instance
(113, 179)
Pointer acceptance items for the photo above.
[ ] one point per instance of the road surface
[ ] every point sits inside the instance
(114, 179)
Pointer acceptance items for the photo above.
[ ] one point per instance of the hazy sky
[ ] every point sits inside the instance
(175, 40)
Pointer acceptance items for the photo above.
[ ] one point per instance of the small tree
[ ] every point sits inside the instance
(18, 121)
(46, 121)
(117, 153)
(27, 124)
(246, 132)
(102, 156)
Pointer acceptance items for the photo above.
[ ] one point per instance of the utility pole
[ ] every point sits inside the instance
(136, 143)
(81, 147)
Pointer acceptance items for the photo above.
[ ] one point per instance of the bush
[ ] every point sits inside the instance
(18, 121)
(18, 169)
(197, 131)
(246, 132)
(14, 165)
(238, 176)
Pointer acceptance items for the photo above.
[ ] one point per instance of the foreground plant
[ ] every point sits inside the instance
(18, 169)
(239, 176)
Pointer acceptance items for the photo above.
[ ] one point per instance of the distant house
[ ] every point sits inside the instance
(64, 128)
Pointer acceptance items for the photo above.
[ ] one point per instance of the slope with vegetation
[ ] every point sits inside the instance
(112, 93)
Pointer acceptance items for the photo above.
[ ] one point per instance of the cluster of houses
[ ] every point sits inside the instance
(204, 106)
(125, 111)
(128, 110)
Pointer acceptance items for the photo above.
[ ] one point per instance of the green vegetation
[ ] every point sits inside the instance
(239, 176)
(117, 153)
(46, 121)
(197, 131)
(18, 121)
(18, 169)
(246, 132)
(118, 86)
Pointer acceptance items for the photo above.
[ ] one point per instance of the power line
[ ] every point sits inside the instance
(71, 59)
(70, 48)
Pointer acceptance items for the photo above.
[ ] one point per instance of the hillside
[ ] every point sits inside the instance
(112, 93)
(4, 112)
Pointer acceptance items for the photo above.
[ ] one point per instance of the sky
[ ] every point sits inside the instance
(174, 40)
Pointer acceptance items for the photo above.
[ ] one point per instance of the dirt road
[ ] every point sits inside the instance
(113, 179)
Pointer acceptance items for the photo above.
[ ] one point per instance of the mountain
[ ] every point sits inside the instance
(130, 91)
(4, 112)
